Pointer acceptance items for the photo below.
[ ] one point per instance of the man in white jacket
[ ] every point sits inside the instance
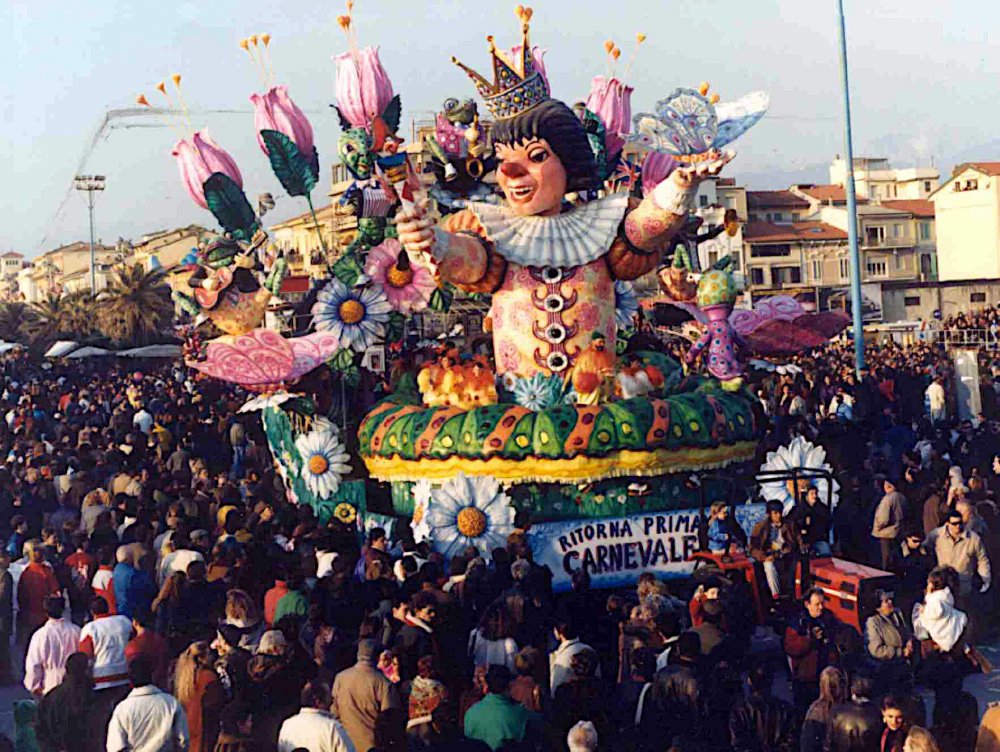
(55, 641)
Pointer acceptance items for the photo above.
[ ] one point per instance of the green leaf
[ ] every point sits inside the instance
(343, 360)
(347, 269)
(292, 168)
(441, 300)
(395, 329)
(351, 376)
(229, 204)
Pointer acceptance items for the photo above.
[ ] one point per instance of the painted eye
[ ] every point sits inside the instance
(349, 149)
(538, 156)
(451, 103)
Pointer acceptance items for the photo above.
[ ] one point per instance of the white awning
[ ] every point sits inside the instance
(152, 351)
(89, 352)
(61, 348)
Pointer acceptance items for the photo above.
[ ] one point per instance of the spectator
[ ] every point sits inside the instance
(833, 689)
(560, 660)
(719, 536)
(583, 737)
(148, 719)
(962, 550)
(772, 542)
(762, 723)
(526, 688)
(6, 617)
(676, 694)
(920, 740)
(233, 664)
(426, 694)
(492, 642)
(417, 638)
(36, 583)
(50, 647)
(809, 645)
(133, 586)
(896, 728)
(583, 697)
(235, 723)
(889, 642)
(147, 641)
(497, 720)
(889, 516)
(811, 519)
(65, 714)
(855, 726)
(275, 684)
(200, 692)
(361, 695)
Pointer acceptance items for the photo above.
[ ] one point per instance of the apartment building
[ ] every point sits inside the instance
(967, 207)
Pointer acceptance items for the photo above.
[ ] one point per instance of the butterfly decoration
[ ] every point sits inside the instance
(626, 176)
(689, 123)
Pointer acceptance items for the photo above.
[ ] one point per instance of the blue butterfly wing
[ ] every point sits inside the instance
(736, 118)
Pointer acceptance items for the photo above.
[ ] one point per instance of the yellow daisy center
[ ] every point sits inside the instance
(471, 522)
(398, 278)
(418, 515)
(318, 464)
(351, 311)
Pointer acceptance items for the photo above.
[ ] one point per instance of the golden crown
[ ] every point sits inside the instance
(517, 86)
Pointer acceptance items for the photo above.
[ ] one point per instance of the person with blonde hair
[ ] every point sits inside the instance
(200, 693)
(242, 613)
(582, 737)
(920, 740)
(833, 689)
(719, 536)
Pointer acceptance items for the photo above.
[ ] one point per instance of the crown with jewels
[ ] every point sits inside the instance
(517, 86)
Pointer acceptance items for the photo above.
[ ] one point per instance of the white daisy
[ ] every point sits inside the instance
(324, 459)
(800, 454)
(356, 315)
(626, 304)
(470, 511)
(422, 492)
(266, 400)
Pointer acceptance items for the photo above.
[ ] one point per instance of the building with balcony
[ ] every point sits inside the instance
(168, 247)
(49, 272)
(877, 180)
(776, 207)
(298, 238)
(967, 207)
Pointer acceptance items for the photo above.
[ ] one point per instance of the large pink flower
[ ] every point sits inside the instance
(407, 284)
(363, 89)
(197, 158)
(275, 111)
(537, 55)
(611, 101)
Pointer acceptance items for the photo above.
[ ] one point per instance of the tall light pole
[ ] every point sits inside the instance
(852, 201)
(89, 184)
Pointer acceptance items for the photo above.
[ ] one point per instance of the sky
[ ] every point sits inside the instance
(922, 76)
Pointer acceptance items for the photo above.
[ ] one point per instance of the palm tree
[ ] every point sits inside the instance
(47, 321)
(14, 318)
(79, 314)
(135, 308)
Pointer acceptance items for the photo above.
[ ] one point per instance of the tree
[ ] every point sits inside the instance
(47, 321)
(135, 308)
(14, 318)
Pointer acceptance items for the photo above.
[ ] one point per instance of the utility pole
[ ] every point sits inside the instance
(852, 201)
(89, 184)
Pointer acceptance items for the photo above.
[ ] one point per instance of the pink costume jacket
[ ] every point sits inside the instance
(50, 646)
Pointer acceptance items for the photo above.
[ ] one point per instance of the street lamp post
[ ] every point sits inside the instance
(89, 184)
(852, 202)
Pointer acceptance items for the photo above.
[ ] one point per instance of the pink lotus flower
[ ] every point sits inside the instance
(407, 285)
(655, 169)
(363, 89)
(198, 157)
(275, 111)
(611, 101)
(537, 54)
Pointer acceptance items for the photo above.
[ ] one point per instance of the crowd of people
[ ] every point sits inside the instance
(158, 592)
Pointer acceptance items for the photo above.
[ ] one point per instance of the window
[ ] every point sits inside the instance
(817, 269)
(977, 297)
(897, 230)
(756, 275)
(927, 186)
(845, 268)
(874, 236)
(729, 202)
(713, 256)
(911, 300)
(702, 200)
(736, 261)
(796, 216)
(925, 230)
(786, 275)
(770, 251)
(753, 217)
(877, 267)
(899, 261)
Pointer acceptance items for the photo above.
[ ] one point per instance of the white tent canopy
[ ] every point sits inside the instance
(61, 348)
(152, 351)
(8, 346)
(89, 352)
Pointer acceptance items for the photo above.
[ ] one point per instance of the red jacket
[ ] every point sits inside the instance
(807, 655)
(154, 647)
(271, 598)
(37, 582)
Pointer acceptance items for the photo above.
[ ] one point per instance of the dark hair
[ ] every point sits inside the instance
(427, 667)
(76, 666)
(567, 629)
(561, 128)
(760, 677)
(232, 715)
(861, 685)
(53, 605)
(814, 591)
(891, 701)
(140, 671)
(775, 506)
(376, 533)
(689, 645)
(421, 600)
(498, 679)
(315, 694)
(143, 617)
(584, 663)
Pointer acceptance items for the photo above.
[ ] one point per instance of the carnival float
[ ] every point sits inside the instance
(577, 425)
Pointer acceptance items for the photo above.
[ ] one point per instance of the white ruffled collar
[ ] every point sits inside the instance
(573, 238)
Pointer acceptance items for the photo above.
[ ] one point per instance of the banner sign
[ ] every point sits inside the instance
(616, 551)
